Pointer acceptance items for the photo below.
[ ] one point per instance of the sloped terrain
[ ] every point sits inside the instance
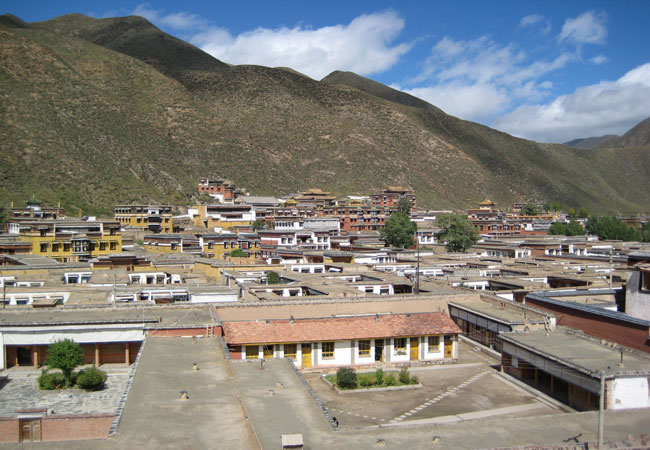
(98, 112)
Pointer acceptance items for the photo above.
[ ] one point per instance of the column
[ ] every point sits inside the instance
(127, 353)
(35, 356)
(97, 354)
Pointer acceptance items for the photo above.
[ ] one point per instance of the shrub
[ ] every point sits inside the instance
(404, 376)
(366, 380)
(414, 380)
(50, 381)
(389, 380)
(238, 253)
(91, 379)
(379, 376)
(346, 378)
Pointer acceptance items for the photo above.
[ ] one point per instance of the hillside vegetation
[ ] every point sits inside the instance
(99, 112)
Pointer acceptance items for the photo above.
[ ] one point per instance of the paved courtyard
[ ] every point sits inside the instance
(471, 389)
(20, 391)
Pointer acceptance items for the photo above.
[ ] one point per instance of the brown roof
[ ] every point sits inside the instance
(338, 328)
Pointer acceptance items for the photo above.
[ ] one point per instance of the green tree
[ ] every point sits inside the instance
(573, 228)
(238, 253)
(611, 228)
(399, 230)
(259, 224)
(552, 206)
(272, 277)
(530, 209)
(404, 205)
(458, 233)
(582, 213)
(65, 355)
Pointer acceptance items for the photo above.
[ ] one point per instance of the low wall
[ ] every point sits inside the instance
(60, 428)
(176, 332)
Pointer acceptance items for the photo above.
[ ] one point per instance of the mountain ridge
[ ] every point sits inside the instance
(96, 125)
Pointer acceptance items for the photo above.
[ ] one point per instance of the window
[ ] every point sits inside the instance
(113, 245)
(434, 344)
(210, 245)
(290, 351)
(102, 246)
(252, 351)
(174, 246)
(645, 281)
(328, 350)
(55, 247)
(364, 348)
(43, 246)
(66, 247)
(400, 344)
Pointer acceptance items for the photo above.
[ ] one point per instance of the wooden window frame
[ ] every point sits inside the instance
(399, 348)
(293, 355)
(249, 355)
(365, 352)
(433, 348)
(326, 352)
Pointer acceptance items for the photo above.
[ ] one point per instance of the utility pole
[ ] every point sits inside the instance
(611, 267)
(601, 413)
(417, 265)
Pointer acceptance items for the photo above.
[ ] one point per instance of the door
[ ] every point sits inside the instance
(379, 349)
(268, 351)
(306, 356)
(30, 430)
(415, 349)
(449, 343)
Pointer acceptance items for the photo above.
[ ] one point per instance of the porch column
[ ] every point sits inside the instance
(127, 353)
(97, 354)
(35, 356)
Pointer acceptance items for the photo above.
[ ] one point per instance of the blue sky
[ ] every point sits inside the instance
(544, 70)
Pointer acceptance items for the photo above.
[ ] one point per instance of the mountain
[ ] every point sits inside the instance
(638, 136)
(99, 112)
(593, 142)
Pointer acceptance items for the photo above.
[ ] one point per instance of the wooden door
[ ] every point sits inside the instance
(306, 356)
(449, 347)
(415, 349)
(379, 350)
(268, 351)
(30, 430)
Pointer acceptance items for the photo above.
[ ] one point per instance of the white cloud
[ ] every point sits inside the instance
(609, 107)
(479, 79)
(179, 21)
(364, 46)
(542, 25)
(600, 59)
(530, 20)
(587, 28)
(467, 101)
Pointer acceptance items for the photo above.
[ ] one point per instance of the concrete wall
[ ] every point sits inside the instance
(637, 302)
(175, 332)
(628, 393)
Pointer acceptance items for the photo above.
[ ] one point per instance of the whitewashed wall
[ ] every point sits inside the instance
(629, 393)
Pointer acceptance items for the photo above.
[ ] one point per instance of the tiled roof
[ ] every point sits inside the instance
(338, 328)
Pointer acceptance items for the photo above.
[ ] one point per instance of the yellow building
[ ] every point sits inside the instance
(157, 219)
(222, 216)
(70, 240)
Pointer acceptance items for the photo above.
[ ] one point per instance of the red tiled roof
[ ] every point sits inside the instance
(338, 328)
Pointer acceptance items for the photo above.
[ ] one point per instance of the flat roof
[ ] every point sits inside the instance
(153, 316)
(501, 310)
(582, 352)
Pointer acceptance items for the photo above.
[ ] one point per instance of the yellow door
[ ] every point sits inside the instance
(449, 347)
(415, 347)
(306, 355)
(268, 351)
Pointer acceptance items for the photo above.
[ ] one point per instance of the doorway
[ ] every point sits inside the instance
(415, 349)
(306, 355)
(379, 349)
(30, 430)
